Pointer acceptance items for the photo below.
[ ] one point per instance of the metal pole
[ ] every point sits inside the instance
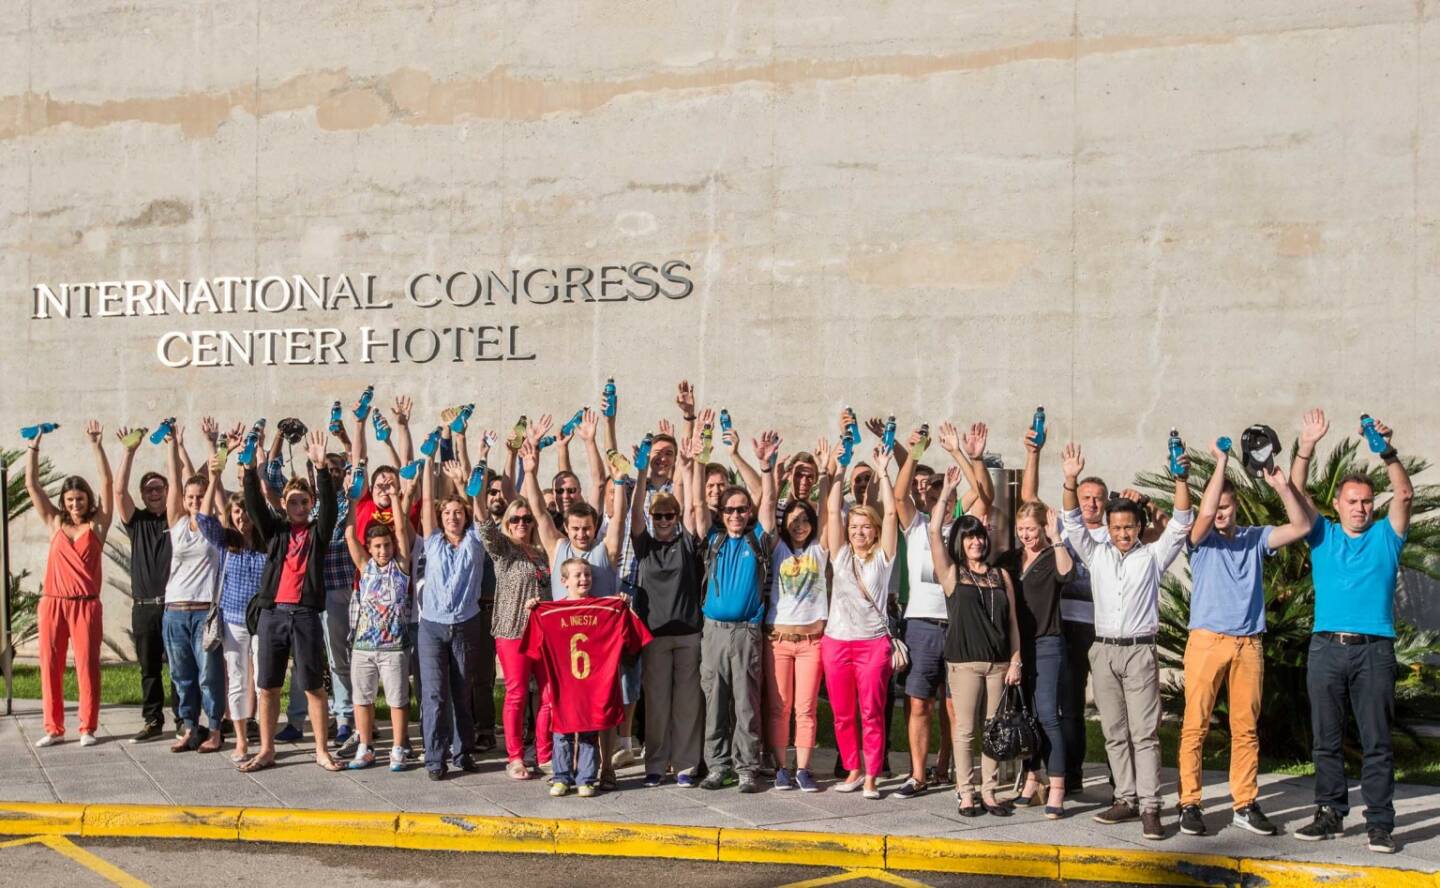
(7, 654)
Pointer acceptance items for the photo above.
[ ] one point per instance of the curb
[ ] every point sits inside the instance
(511, 835)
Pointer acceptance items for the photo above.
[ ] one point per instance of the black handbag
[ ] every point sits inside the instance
(1013, 732)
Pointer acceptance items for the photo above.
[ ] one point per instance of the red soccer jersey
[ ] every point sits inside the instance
(579, 643)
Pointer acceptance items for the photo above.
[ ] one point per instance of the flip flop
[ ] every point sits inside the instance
(238, 757)
(256, 764)
(330, 765)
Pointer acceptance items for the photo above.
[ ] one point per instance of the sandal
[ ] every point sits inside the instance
(1030, 799)
(239, 757)
(517, 770)
(257, 764)
(972, 809)
(329, 763)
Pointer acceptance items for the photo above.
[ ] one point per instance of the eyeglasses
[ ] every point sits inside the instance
(521, 519)
(736, 510)
(571, 491)
(663, 516)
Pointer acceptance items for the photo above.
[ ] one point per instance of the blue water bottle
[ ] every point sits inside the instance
(252, 441)
(462, 419)
(30, 433)
(725, 425)
(477, 480)
(609, 400)
(852, 428)
(1177, 451)
(847, 451)
(1223, 444)
(888, 439)
(362, 406)
(410, 470)
(1037, 424)
(1377, 441)
(382, 427)
(336, 426)
(642, 453)
(544, 442)
(574, 423)
(357, 481)
(431, 443)
(163, 430)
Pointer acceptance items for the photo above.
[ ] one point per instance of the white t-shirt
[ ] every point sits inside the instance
(798, 595)
(852, 616)
(194, 565)
(927, 597)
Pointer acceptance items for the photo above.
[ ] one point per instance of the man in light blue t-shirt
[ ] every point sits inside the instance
(1354, 563)
(1227, 625)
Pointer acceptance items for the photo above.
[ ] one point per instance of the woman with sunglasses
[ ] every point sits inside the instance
(855, 650)
(795, 621)
(982, 642)
(667, 598)
(522, 575)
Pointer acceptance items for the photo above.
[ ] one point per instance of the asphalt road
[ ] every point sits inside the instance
(81, 863)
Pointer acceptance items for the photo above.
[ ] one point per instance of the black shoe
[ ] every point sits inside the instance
(485, 743)
(996, 810)
(1192, 821)
(972, 810)
(1074, 786)
(1252, 818)
(719, 779)
(467, 764)
(908, 790)
(149, 732)
(1381, 842)
(435, 773)
(1327, 824)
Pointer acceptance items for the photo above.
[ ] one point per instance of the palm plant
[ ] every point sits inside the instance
(1289, 590)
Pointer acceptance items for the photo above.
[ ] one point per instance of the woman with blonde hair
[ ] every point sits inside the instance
(855, 650)
(1041, 566)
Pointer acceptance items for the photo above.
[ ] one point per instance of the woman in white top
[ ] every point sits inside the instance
(795, 622)
(855, 651)
(193, 589)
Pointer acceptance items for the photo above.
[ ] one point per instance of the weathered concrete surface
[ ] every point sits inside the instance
(1139, 217)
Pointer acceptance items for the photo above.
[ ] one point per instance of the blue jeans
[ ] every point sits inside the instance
(582, 749)
(1041, 682)
(447, 654)
(198, 677)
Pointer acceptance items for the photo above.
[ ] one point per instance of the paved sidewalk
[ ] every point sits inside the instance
(120, 772)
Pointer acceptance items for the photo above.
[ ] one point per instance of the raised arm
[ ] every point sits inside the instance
(187, 466)
(38, 497)
(939, 554)
(974, 450)
(904, 504)
(327, 509)
(105, 505)
(876, 425)
(765, 450)
(615, 530)
(175, 498)
(833, 537)
(1298, 519)
(1210, 499)
(257, 507)
(889, 535)
(637, 504)
(685, 400)
(1402, 492)
(358, 555)
(753, 481)
(549, 533)
(824, 458)
(1030, 476)
(427, 498)
(129, 442)
(401, 411)
(594, 489)
(1072, 463)
(1313, 426)
(700, 517)
(979, 479)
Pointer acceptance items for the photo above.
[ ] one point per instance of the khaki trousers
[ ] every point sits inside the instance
(1127, 693)
(969, 683)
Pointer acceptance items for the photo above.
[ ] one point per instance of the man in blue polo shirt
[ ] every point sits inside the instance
(1227, 627)
(736, 564)
(1354, 562)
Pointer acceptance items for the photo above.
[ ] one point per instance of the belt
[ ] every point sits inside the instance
(795, 636)
(1127, 642)
(943, 624)
(188, 606)
(295, 609)
(1352, 638)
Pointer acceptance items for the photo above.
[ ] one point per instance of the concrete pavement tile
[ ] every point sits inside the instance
(655, 803)
(901, 823)
(762, 811)
(28, 792)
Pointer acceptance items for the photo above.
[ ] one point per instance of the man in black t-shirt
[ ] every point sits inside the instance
(149, 572)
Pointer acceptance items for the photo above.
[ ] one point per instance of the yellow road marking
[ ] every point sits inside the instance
(856, 874)
(95, 864)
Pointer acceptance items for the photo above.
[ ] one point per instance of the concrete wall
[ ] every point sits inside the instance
(1203, 214)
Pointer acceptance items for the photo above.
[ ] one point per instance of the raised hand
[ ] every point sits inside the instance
(1384, 430)
(1274, 477)
(1218, 454)
(875, 425)
(975, 440)
(586, 429)
(881, 456)
(952, 481)
(822, 453)
(213, 466)
(448, 414)
(1072, 461)
(766, 446)
(130, 438)
(401, 410)
(455, 472)
(487, 440)
(731, 440)
(665, 427)
(209, 428)
(529, 456)
(1029, 440)
(947, 436)
(94, 431)
(1313, 426)
(685, 398)
(539, 428)
(315, 449)
(688, 449)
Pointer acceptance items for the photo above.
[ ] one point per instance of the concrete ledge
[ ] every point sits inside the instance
(40, 818)
(637, 840)
(161, 821)
(457, 832)
(318, 827)
(806, 848)
(970, 856)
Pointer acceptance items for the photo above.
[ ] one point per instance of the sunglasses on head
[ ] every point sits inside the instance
(735, 510)
(521, 519)
(663, 516)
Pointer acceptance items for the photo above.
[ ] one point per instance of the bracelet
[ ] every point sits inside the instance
(1075, 489)
(1389, 456)
(688, 418)
(1299, 455)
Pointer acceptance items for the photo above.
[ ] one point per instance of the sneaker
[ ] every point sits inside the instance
(49, 740)
(1119, 812)
(558, 789)
(1152, 828)
(782, 780)
(653, 780)
(1192, 822)
(806, 781)
(1252, 818)
(749, 784)
(88, 740)
(289, 734)
(346, 741)
(585, 790)
(1327, 824)
(909, 789)
(623, 756)
(1380, 841)
(362, 761)
(397, 759)
(149, 732)
(719, 779)
(467, 764)
(435, 773)
(685, 781)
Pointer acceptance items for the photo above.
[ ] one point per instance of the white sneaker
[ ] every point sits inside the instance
(625, 755)
(49, 740)
(397, 758)
(88, 740)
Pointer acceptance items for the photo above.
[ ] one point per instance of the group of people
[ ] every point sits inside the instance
(721, 596)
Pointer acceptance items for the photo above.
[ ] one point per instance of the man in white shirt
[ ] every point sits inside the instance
(1125, 578)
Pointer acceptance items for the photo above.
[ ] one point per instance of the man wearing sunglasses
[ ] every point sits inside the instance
(737, 563)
